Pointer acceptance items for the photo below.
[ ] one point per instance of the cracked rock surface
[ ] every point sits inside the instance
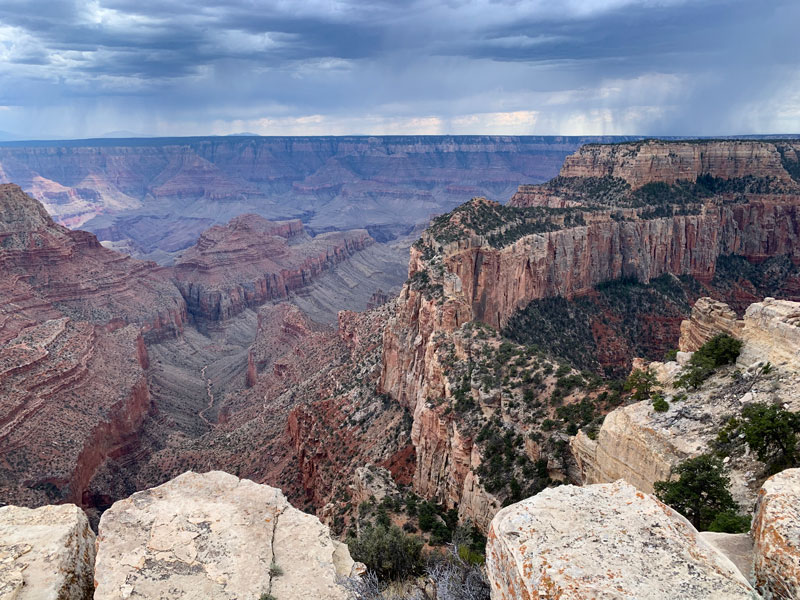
(46, 553)
(606, 542)
(213, 535)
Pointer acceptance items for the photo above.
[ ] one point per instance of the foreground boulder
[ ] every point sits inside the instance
(216, 536)
(776, 536)
(45, 553)
(605, 541)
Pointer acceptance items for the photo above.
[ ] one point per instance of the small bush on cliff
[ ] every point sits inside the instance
(720, 350)
(388, 552)
(701, 491)
(771, 432)
(659, 404)
(641, 384)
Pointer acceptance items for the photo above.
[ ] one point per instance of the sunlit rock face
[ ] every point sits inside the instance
(641, 445)
(47, 553)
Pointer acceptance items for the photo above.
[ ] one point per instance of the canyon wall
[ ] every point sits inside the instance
(484, 261)
(569, 262)
(251, 260)
(639, 163)
(157, 195)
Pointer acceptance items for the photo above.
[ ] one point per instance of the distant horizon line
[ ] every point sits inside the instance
(141, 139)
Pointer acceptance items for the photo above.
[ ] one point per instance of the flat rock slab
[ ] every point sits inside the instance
(776, 536)
(45, 553)
(215, 536)
(738, 547)
(604, 542)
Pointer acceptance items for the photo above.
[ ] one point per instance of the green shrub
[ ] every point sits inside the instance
(771, 432)
(427, 516)
(388, 552)
(440, 534)
(720, 350)
(728, 521)
(275, 569)
(659, 404)
(701, 491)
(641, 384)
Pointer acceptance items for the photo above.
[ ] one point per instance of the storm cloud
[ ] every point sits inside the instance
(175, 67)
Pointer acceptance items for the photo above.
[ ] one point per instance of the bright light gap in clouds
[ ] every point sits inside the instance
(76, 69)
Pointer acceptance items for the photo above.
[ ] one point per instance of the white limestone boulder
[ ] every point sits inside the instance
(776, 536)
(46, 553)
(213, 535)
(604, 542)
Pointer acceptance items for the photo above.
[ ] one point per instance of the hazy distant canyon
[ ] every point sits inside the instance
(153, 197)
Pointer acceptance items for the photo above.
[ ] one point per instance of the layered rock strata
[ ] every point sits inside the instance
(776, 536)
(251, 260)
(604, 541)
(46, 553)
(74, 318)
(141, 191)
(49, 269)
(214, 535)
(615, 212)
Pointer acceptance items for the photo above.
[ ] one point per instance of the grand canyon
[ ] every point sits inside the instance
(242, 358)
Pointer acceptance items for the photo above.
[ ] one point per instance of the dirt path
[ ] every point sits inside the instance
(202, 414)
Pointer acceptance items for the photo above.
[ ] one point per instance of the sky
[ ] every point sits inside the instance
(75, 69)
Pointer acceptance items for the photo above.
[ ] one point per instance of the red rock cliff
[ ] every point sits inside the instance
(251, 260)
(484, 261)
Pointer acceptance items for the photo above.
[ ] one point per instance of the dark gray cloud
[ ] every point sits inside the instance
(172, 67)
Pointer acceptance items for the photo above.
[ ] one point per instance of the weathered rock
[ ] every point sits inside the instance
(375, 482)
(776, 536)
(46, 553)
(709, 318)
(640, 445)
(216, 536)
(738, 547)
(604, 542)
(772, 334)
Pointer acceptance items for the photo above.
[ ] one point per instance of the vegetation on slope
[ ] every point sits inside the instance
(626, 313)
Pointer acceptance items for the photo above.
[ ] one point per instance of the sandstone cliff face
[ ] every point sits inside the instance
(776, 536)
(639, 163)
(214, 535)
(252, 260)
(570, 262)
(47, 553)
(604, 541)
(640, 445)
(484, 261)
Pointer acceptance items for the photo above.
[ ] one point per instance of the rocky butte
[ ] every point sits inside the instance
(615, 213)
(251, 260)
